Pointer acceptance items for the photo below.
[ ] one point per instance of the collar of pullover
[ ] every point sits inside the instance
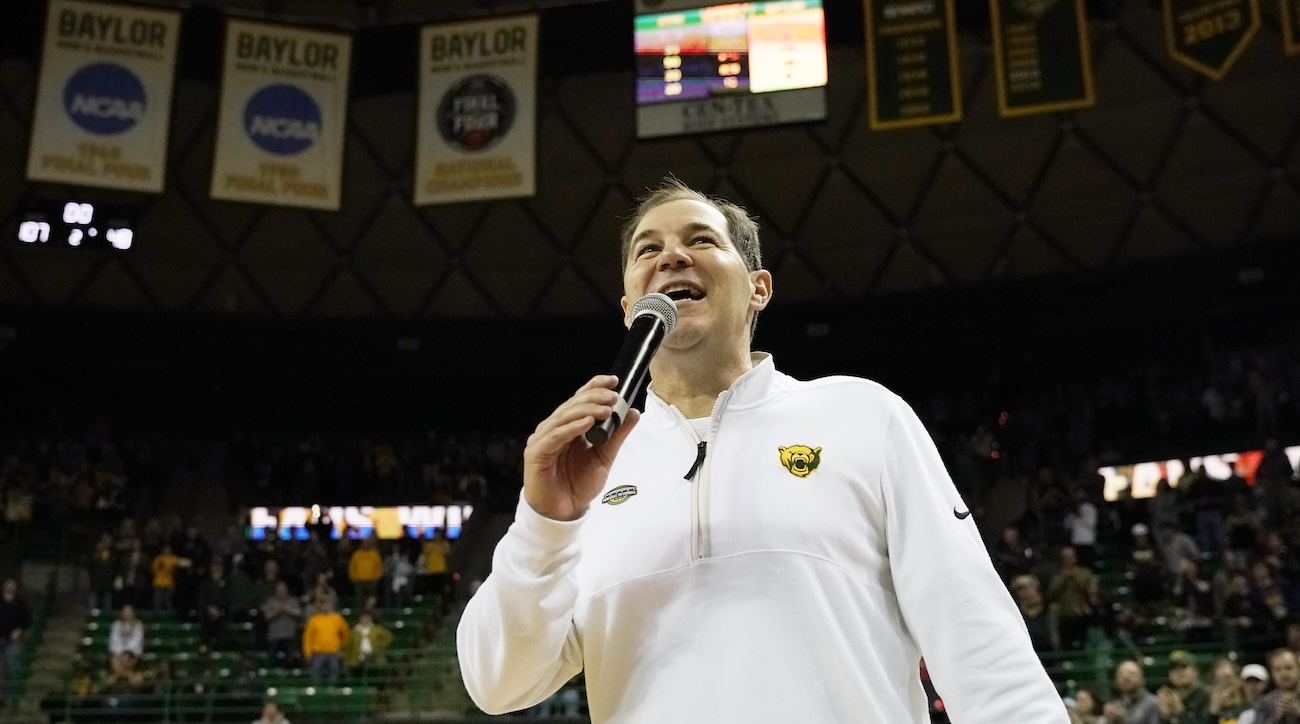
(748, 389)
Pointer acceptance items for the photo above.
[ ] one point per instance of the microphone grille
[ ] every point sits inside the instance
(660, 305)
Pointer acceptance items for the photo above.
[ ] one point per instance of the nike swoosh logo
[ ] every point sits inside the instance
(960, 516)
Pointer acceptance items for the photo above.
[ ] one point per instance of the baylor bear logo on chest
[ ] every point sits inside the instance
(800, 460)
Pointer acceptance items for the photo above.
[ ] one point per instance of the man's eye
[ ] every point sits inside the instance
(644, 249)
(702, 239)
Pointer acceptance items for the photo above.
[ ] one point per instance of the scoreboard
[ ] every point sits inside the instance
(755, 47)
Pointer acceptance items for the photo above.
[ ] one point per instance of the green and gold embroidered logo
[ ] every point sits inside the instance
(800, 460)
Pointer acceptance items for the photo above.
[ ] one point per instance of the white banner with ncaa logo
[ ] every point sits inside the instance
(104, 97)
(284, 100)
(477, 127)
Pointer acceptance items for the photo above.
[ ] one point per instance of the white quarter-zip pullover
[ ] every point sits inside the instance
(795, 565)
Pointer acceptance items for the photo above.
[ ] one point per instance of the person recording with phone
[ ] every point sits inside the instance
(751, 547)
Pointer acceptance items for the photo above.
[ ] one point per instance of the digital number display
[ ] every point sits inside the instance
(754, 47)
(76, 224)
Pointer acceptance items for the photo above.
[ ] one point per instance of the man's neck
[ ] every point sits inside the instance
(691, 380)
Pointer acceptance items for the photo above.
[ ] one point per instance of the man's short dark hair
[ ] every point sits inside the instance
(742, 229)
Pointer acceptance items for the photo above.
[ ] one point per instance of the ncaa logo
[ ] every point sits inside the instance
(282, 119)
(105, 99)
(476, 113)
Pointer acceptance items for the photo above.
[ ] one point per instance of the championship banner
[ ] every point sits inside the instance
(1209, 36)
(1042, 56)
(103, 101)
(912, 77)
(284, 97)
(1291, 26)
(477, 126)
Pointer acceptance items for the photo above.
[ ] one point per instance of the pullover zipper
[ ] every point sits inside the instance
(699, 473)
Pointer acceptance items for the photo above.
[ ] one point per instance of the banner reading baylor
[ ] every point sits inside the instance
(105, 94)
(1209, 35)
(477, 111)
(284, 96)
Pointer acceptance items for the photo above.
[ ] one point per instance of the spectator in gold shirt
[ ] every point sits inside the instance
(365, 568)
(164, 578)
(322, 643)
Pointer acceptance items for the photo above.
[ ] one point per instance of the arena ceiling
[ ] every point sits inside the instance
(1167, 164)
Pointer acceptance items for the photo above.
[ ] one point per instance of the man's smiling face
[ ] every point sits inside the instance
(682, 249)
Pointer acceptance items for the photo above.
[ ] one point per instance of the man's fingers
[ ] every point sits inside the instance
(604, 381)
(555, 440)
(610, 449)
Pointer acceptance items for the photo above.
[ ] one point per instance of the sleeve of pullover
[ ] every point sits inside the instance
(516, 640)
(956, 608)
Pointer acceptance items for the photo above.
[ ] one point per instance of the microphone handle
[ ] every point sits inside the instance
(632, 367)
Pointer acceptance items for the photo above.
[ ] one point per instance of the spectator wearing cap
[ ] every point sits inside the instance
(1175, 546)
(1282, 704)
(1184, 700)
(1254, 679)
(1135, 704)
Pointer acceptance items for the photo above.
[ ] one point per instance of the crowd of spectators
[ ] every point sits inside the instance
(1211, 559)
(289, 592)
(1250, 694)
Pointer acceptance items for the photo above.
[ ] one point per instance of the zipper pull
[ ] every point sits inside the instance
(699, 460)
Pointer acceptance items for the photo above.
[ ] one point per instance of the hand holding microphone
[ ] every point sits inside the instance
(568, 457)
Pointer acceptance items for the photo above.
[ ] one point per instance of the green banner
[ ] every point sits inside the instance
(1209, 36)
(912, 75)
(1291, 26)
(1042, 55)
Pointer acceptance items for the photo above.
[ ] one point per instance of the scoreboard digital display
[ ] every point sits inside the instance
(76, 224)
(754, 47)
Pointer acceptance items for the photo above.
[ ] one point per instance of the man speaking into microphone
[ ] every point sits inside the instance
(752, 548)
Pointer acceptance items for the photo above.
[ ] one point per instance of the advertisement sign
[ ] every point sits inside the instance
(1209, 36)
(1042, 56)
(103, 101)
(280, 129)
(477, 125)
(1144, 477)
(912, 77)
(358, 522)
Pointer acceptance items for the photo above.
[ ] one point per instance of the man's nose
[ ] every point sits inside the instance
(674, 256)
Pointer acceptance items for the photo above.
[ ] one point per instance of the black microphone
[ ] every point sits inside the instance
(653, 317)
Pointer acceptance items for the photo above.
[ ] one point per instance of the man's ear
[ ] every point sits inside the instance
(622, 302)
(761, 280)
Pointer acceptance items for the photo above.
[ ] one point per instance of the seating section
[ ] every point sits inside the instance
(1093, 667)
(185, 682)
